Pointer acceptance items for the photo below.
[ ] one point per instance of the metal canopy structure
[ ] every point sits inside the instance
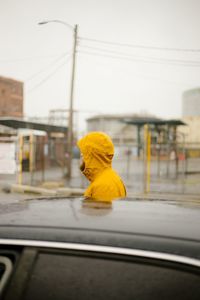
(22, 124)
(153, 121)
(158, 125)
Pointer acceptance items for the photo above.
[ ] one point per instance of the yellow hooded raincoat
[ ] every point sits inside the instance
(97, 150)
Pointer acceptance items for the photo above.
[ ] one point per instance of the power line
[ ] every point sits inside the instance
(49, 76)
(138, 60)
(7, 60)
(140, 46)
(47, 67)
(160, 79)
(140, 57)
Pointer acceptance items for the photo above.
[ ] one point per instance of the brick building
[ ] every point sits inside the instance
(11, 97)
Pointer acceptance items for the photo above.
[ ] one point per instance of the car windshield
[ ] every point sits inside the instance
(100, 99)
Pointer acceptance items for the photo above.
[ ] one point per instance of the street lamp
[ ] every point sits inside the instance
(56, 21)
(70, 122)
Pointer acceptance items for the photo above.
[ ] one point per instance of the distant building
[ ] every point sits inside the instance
(114, 126)
(191, 103)
(192, 130)
(11, 98)
(191, 116)
(128, 128)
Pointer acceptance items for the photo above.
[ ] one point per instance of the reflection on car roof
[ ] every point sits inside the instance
(158, 218)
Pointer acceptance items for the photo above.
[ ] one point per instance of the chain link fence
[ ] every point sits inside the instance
(173, 167)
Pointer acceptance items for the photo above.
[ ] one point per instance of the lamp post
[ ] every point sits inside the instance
(71, 104)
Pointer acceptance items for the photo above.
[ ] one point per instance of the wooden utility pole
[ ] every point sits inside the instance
(70, 123)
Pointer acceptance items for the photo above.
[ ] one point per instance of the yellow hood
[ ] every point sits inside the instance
(97, 150)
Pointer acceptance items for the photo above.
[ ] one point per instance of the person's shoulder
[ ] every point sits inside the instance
(107, 177)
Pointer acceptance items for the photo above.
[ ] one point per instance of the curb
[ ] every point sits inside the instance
(32, 190)
(17, 188)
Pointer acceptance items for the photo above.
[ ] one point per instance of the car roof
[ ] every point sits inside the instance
(174, 219)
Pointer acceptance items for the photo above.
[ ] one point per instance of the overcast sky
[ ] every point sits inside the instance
(109, 77)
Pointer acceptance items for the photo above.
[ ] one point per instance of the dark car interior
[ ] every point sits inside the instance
(36, 273)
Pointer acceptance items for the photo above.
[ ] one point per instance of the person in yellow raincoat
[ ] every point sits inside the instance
(97, 151)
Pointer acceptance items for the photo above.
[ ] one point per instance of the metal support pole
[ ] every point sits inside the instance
(128, 162)
(158, 159)
(144, 158)
(31, 153)
(168, 150)
(147, 159)
(138, 141)
(43, 160)
(21, 140)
